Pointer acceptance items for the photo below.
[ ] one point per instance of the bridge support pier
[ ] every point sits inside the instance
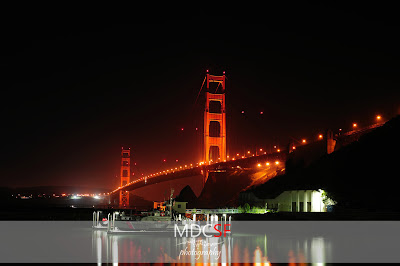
(330, 142)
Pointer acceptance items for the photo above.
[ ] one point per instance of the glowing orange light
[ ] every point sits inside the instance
(294, 147)
(378, 117)
(260, 149)
(354, 125)
(248, 151)
(259, 165)
(267, 164)
(279, 150)
(277, 162)
(237, 154)
(304, 141)
(320, 136)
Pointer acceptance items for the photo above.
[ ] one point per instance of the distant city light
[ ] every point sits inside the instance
(242, 112)
(294, 147)
(378, 117)
(259, 165)
(267, 164)
(303, 141)
(277, 162)
(320, 136)
(354, 125)
(261, 113)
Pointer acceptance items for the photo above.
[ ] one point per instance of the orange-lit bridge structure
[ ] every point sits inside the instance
(215, 158)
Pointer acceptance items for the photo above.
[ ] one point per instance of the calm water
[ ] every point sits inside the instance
(275, 242)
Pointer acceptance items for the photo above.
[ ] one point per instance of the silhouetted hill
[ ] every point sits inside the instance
(222, 188)
(363, 174)
(140, 204)
(187, 195)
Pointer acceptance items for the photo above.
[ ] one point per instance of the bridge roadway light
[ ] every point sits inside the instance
(278, 150)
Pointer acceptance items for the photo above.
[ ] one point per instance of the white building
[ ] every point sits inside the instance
(297, 201)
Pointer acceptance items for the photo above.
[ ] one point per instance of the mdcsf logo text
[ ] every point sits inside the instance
(207, 230)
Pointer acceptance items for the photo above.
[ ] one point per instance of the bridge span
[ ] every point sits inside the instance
(203, 170)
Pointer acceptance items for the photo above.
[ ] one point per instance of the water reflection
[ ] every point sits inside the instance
(256, 249)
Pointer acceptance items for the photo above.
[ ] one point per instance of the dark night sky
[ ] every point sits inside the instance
(77, 87)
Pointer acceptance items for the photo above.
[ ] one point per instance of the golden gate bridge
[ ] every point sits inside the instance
(215, 157)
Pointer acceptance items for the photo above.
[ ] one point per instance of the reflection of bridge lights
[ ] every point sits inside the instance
(378, 117)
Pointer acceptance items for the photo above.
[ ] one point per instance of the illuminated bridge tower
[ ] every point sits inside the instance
(125, 177)
(215, 119)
